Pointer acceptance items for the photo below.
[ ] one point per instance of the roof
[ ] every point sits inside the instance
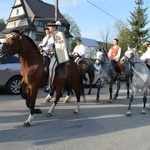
(42, 10)
(89, 42)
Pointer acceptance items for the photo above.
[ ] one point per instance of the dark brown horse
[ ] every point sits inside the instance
(33, 72)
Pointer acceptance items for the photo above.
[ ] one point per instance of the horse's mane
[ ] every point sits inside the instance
(32, 42)
(105, 53)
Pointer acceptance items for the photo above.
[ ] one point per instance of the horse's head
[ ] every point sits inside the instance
(99, 58)
(128, 56)
(11, 44)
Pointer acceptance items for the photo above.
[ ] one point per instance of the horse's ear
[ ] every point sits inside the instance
(21, 31)
(128, 47)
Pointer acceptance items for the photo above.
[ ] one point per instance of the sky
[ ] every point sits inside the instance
(92, 19)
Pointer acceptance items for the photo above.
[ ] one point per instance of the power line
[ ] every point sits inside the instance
(104, 11)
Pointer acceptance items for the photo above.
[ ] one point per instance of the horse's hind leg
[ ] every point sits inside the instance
(118, 88)
(144, 103)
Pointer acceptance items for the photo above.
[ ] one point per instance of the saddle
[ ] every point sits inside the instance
(84, 65)
(61, 71)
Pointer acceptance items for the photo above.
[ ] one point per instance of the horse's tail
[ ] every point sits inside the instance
(82, 85)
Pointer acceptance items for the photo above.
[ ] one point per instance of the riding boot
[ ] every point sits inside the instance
(46, 64)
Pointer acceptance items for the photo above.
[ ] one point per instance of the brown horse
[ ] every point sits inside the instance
(33, 72)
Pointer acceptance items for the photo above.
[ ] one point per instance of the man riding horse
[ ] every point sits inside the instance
(79, 51)
(114, 54)
(146, 56)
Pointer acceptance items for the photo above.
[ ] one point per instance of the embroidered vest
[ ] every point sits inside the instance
(114, 51)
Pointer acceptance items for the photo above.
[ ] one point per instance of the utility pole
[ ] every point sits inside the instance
(56, 10)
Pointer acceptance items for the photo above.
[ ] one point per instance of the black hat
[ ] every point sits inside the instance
(54, 23)
(78, 40)
(46, 28)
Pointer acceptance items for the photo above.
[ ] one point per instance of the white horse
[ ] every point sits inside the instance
(141, 77)
(108, 73)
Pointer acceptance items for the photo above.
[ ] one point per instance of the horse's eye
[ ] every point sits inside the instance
(131, 54)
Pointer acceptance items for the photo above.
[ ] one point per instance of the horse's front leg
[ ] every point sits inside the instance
(58, 95)
(134, 90)
(118, 88)
(30, 103)
(144, 102)
(99, 86)
(110, 91)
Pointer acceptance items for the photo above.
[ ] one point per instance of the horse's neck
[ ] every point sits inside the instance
(140, 66)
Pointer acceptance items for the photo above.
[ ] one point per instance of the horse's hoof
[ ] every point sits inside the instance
(97, 100)
(75, 112)
(26, 124)
(143, 112)
(39, 111)
(115, 98)
(110, 101)
(48, 115)
(128, 114)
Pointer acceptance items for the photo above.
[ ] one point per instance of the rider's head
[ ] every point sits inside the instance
(53, 25)
(46, 29)
(115, 41)
(78, 40)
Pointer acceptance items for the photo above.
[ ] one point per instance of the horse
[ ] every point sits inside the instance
(140, 79)
(108, 73)
(33, 72)
(87, 67)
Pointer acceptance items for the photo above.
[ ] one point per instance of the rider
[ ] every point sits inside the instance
(146, 56)
(59, 53)
(115, 53)
(44, 48)
(79, 51)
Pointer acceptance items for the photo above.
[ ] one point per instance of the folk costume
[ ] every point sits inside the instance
(60, 53)
(146, 56)
(78, 52)
(114, 54)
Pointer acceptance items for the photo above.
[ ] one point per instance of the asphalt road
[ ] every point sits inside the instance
(98, 126)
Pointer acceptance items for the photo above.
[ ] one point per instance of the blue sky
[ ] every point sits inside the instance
(90, 19)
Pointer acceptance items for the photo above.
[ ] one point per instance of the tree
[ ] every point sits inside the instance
(139, 19)
(123, 34)
(2, 21)
(74, 29)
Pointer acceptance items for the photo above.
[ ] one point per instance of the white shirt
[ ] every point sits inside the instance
(46, 43)
(146, 55)
(79, 49)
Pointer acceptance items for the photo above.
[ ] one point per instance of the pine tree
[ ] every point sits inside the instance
(139, 19)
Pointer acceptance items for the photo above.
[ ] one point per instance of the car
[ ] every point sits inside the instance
(10, 76)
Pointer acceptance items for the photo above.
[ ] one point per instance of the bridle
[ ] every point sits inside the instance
(9, 47)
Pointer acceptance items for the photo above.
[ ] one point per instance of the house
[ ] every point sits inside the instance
(33, 16)
(91, 46)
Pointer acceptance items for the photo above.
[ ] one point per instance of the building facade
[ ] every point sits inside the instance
(33, 16)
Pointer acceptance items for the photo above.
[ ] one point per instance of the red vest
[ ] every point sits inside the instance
(114, 51)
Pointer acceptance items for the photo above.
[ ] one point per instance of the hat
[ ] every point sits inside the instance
(78, 40)
(46, 28)
(54, 23)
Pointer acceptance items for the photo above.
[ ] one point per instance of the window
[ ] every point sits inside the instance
(14, 24)
(17, 12)
(39, 37)
(40, 23)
